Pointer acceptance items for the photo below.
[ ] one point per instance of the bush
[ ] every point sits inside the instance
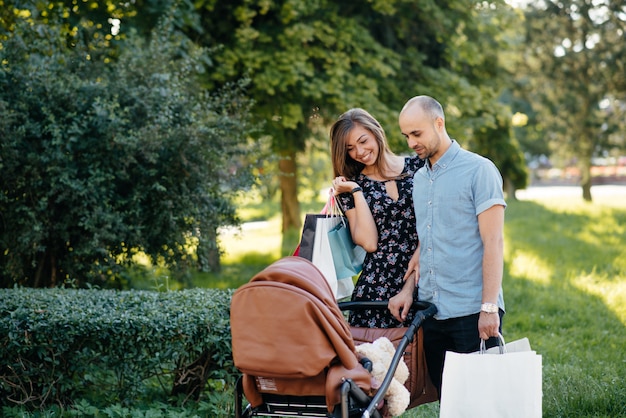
(106, 346)
(100, 160)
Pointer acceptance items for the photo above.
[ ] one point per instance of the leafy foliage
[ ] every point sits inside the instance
(310, 61)
(100, 160)
(108, 346)
(574, 78)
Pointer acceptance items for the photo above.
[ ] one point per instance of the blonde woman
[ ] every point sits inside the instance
(374, 187)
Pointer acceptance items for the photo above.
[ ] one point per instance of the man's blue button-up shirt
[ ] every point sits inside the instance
(448, 198)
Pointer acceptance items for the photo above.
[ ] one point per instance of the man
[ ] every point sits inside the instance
(459, 206)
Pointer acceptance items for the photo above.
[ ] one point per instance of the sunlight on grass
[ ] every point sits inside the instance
(531, 267)
(262, 238)
(611, 291)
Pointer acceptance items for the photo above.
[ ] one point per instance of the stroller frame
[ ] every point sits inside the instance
(354, 401)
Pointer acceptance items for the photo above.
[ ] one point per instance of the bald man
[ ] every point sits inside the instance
(459, 207)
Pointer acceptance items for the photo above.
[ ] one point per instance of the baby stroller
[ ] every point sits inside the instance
(295, 350)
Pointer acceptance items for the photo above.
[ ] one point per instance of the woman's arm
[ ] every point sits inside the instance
(400, 304)
(362, 225)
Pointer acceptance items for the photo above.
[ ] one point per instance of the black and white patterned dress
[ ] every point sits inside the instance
(384, 269)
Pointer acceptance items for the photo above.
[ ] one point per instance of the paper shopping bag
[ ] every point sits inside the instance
(347, 256)
(512, 347)
(305, 248)
(492, 385)
(322, 253)
(315, 247)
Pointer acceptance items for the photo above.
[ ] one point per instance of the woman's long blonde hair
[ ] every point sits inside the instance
(343, 164)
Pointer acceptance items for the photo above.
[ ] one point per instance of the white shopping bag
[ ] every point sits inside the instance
(493, 384)
(322, 255)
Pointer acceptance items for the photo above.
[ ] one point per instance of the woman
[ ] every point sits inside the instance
(374, 188)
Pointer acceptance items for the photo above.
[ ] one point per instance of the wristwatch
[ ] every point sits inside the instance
(489, 308)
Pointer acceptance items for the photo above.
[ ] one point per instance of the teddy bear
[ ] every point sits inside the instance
(381, 352)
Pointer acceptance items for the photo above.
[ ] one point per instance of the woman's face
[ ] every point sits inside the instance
(362, 145)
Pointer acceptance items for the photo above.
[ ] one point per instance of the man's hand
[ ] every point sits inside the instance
(400, 304)
(488, 325)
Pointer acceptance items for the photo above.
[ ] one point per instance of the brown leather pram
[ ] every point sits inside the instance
(295, 350)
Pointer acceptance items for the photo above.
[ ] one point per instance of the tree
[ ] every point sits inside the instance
(313, 60)
(305, 61)
(102, 159)
(576, 82)
(310, 61)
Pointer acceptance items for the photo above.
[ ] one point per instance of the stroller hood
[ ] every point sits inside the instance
(286, 323)
(289, 335)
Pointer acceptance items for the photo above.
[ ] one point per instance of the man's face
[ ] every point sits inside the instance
(421, 132)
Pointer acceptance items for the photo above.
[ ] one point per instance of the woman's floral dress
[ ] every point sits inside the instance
(383, 270)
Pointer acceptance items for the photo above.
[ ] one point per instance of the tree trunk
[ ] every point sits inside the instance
(53, 271)
(213, 253)
(289, 204)
(509, 189)
(585, 168)
(39, 272)
(586, 185)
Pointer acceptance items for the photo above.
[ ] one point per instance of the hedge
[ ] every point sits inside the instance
(59, 345)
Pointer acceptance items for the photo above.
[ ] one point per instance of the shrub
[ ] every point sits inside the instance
(101, 160)
(109, 346)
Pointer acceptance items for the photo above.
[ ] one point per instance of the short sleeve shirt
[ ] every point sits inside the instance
(448, 198)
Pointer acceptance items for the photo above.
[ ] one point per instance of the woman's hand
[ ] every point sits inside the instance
(342, 185)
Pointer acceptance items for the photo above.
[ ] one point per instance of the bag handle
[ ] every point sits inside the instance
(501, 345)
(333, 207)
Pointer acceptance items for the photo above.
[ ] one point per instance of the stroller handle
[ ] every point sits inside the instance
(425, 310)
(378, 304)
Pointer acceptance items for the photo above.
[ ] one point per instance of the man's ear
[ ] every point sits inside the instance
(440, 124)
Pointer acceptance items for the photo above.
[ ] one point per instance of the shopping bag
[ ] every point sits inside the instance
(326, 242)
(343, 251)
(305, 248)
(315, 247)
(347, 256)
(497, 383)
(322, 256)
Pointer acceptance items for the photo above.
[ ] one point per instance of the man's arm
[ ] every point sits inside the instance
(491, 227)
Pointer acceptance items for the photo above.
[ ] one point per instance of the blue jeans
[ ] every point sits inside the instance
(454, 334)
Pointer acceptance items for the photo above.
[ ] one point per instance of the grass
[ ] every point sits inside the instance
(565, 289)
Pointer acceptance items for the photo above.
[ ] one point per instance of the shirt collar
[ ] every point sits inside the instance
(447, 156)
